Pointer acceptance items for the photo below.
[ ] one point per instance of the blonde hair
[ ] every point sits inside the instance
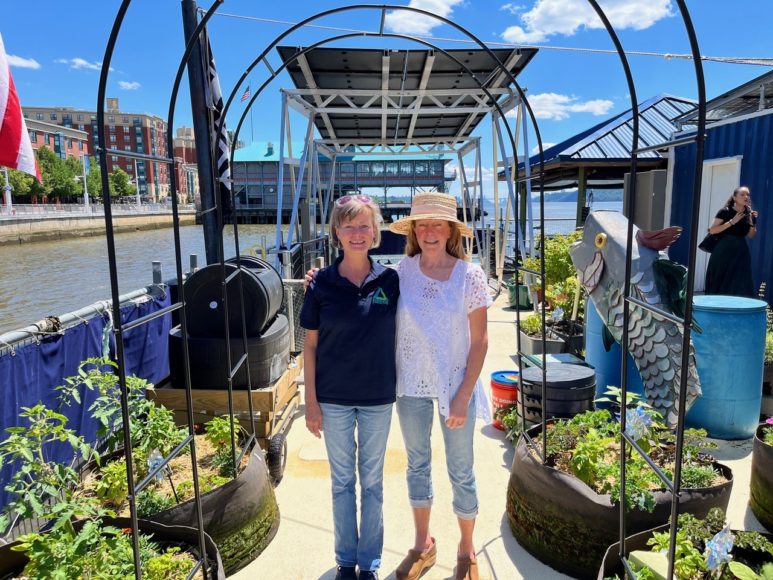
(454, 244)
(349, 211)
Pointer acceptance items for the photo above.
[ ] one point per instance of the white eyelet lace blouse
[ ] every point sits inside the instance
(433, 332)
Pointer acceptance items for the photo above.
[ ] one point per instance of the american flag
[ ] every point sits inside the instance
(220, 141)
(15, 147)
(246, 94)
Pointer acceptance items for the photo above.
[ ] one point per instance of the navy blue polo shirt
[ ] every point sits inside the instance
(356, 343)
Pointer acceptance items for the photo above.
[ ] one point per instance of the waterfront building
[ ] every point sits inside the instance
(137, 132)
(256, 170)
(63, 141)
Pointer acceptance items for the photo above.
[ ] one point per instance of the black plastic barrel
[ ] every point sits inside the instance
(263, 295)
(570, 389)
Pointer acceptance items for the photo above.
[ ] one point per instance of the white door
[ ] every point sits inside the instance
(720, 178)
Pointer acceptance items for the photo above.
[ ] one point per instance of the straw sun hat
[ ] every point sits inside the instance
(431, 206)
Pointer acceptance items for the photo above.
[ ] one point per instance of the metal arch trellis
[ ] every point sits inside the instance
(383, 9)
(503, 70)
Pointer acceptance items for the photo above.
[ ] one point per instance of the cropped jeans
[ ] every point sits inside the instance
(416, 418)
(357, 434)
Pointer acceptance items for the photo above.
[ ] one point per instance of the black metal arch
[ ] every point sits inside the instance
(700, 137)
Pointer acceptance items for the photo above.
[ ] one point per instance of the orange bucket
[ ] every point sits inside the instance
(504, 393)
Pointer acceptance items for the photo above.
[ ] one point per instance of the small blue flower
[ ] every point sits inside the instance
(718, 549)
(637, 423)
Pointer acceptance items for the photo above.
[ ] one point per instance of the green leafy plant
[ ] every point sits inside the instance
(531, 325)
(767, 432)
(150, 501)
(219, 433)
(588, 447)
(112, 487)
(769, 347)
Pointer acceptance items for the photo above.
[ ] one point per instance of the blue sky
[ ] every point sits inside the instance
(55, 48)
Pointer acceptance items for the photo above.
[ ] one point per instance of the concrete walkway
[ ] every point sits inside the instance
(303, 546)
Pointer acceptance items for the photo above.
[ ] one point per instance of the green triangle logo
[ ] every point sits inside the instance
(380, 297)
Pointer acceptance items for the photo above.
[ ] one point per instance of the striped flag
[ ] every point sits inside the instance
(15, 147)
(245, 94)
(222, 149)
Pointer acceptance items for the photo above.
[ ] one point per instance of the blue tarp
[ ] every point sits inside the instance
(30, 376)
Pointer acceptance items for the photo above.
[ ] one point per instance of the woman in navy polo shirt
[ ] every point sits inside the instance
(349, 371)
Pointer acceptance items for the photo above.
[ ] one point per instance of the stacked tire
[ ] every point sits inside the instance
(570, 390)
(268, 332)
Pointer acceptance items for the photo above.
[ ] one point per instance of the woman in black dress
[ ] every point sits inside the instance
(730, 268)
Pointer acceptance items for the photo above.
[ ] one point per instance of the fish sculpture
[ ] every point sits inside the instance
(655, 343)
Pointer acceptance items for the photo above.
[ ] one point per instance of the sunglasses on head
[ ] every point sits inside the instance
(343, 200)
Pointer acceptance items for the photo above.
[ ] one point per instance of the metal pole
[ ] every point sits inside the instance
(202, 134)
(84, 158)
(137, 184)
(8, 189)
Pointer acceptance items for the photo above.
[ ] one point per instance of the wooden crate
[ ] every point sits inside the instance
(268, 403)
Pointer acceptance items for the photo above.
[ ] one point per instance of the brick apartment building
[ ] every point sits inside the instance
(63, 141)
(138, 132)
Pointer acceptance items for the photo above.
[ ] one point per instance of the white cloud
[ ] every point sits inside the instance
(513, 8)
(78, 63)
(129, 86)
(550, 17)
(407, 22)
(557, 107)
(20, 62)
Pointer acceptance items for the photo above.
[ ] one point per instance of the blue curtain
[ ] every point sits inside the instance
(32, 373)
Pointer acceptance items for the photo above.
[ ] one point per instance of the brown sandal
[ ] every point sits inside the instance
(415, 563)
(466, 568)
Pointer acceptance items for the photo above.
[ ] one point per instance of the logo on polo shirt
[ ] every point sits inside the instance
(380, 297)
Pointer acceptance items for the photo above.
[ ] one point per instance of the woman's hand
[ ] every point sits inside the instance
(314, 418)
(309, 277)
(457, 414)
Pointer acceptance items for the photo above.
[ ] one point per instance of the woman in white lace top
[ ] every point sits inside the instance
(441, 344)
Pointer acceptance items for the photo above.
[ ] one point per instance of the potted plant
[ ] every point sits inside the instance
(761, 484)
(568, 312)
(705, 549)
(767, 377)
(530, 329)
(80, 538)
(550, 506)
(238, 503)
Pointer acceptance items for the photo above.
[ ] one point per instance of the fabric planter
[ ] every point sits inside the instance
(761, 492)
(568, 526)
(12, 563)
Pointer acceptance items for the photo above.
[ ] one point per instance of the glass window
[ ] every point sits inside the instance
(79, 117)
(127, 147)
(130, 167)
(347, 168)
(112, 138)
(81, 127)
(111, 119)
(53, 116)
(33, 136)
(436, 167)
(126, 128)
(422, 168)
(80, 145)
(125, 120)
(391, 168)
(363, 168)
(69, 143)
(406, 167)
(93, 117)
(39, 116)
(377, 168)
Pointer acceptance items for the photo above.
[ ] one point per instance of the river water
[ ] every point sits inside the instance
(52, 278)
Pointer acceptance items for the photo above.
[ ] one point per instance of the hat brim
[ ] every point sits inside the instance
(403, 225)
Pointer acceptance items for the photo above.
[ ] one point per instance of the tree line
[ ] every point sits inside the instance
(63, 181)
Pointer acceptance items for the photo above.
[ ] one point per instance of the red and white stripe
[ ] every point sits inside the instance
(15, 147)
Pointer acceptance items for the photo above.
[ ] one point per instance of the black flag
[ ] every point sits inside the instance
(222, 149)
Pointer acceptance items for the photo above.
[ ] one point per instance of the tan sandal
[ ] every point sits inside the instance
(415, 563)
(466, 568)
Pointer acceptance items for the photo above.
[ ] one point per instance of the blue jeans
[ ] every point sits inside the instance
(339, 422)
(416, 417)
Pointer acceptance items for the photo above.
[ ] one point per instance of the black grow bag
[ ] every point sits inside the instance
(612, 565)
(568, 526)
(761, 484)
(12, 563)
(241, 516)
